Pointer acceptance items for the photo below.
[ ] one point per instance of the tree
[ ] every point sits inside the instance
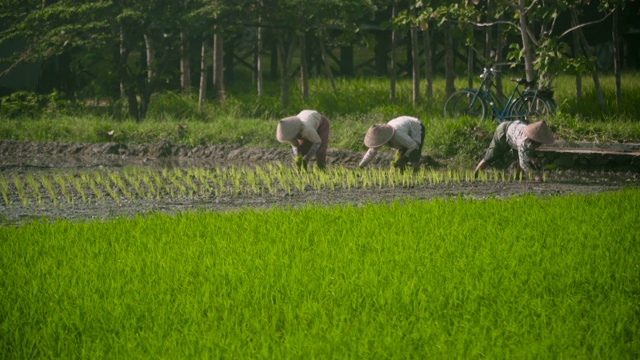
(415, 65)
(294, 21)
(394, 45)
(151, 29)
(430, 13)
(209, 17)
(540, 49)
(49, 30)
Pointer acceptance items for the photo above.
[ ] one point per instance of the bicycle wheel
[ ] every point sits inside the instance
(532, 107)
(465, 103)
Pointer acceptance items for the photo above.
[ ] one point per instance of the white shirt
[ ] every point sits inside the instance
(311, 121)
(407, 137)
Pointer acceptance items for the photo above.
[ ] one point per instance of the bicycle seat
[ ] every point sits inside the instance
(525, 82)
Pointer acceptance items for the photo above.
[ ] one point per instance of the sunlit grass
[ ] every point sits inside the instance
(449, 278)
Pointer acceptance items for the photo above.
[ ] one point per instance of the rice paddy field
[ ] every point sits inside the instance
(549, 273)
(190, 236)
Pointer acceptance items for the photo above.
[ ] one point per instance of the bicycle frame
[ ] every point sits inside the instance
(500, 105)
(523, 103)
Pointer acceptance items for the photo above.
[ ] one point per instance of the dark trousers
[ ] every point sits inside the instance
(321, 154)
(499, 147)
(416, 154)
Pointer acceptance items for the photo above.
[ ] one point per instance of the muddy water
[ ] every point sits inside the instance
(41, 158)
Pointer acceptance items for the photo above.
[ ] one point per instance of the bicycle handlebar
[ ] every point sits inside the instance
(490, 71)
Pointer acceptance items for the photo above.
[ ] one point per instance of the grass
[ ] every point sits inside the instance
(249, 120)
(449, 278)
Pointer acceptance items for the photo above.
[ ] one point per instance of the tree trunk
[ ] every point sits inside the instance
(132, 102)
(450, 75)
(499, 56)
(284, 59)
(380, 53)
(258, 57)
(150, 53)
(304, 81)
(122, 61)
(218, 67)
(325, 61)
(228, 58)
(587, 51)
(127, 85)
(148, 86)
(488, 34)
(203, 74)
(616, 58)
(273, 69)
(527, 46)
(346, 60)
(428, 61)
(470, 72)
(185, 62)
(415, 61)
(577, 52)
(394, 45)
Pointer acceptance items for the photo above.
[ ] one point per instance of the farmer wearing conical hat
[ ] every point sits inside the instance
(520, 137)
(308, 134)
(404, 133)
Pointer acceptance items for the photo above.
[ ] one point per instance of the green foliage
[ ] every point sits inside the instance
(171, 105)
(376, 281)
(461, 139)
(30, 105)
(22, 104)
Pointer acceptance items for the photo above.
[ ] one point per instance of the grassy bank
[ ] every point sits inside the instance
(378, 281)
(250, 120)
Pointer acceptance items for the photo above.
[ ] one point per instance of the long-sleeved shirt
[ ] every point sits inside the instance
(518, 141)
(407, 137)
(311, 121)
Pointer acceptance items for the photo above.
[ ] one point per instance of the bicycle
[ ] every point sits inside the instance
(524, 105)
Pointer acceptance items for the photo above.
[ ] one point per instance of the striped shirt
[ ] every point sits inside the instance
(518, 141)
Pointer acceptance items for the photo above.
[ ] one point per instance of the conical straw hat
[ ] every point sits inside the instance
(288, 128)
(540, 132)
(378, 135)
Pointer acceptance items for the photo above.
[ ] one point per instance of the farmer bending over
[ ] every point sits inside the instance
(308, 134)
(405, 134)
(520, 137)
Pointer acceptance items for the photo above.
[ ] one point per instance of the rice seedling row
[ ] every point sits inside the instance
(65, 188)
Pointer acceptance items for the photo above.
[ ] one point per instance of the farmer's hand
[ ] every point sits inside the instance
(537, 178)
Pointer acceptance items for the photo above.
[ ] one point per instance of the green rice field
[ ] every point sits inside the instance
(519, 278)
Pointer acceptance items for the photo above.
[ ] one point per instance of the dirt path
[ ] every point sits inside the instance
(39, 158)
(15, 154)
